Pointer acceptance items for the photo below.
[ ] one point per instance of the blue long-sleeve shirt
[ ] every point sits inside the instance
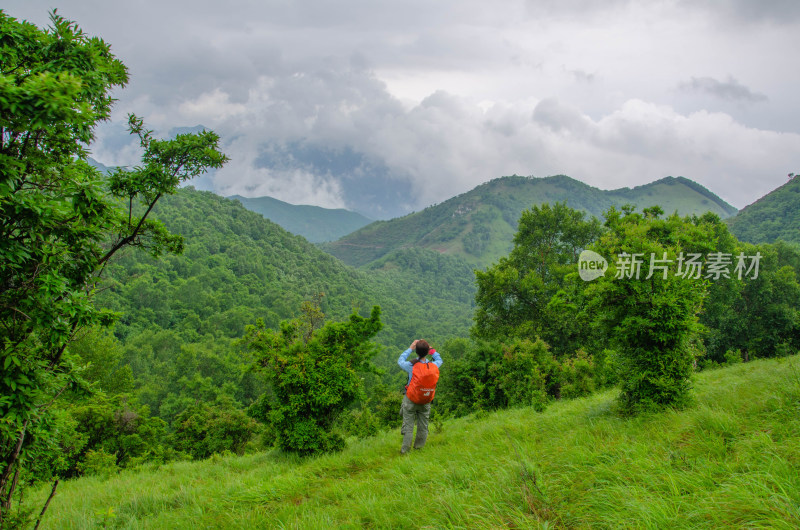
(408, 367)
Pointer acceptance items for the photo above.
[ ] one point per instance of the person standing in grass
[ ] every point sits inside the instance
(422, 378)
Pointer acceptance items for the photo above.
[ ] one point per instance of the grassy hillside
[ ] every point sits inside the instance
(312, 222)
(478, 226)
(772, 217)
(729, 461)
(674, 194)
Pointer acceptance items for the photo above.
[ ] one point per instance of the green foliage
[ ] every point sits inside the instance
(206, 429)
(98, 355)
(60, 222)
(98, 463)
(733, 356)
(522, 374)
(755, 315)
(579, 376)
(385, 405)
(492, 375)
(651, 320)
(361, 422)
(773, 217)
(314, 374)
(525, 295)
(114, 426)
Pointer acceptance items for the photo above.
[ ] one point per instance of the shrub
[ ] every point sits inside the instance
(203, 430)
(360, 422)
(98, 463)
(313, 372)
(493, 375)
(652, 319)
(578, 375)
(733, 356)
(523, 372)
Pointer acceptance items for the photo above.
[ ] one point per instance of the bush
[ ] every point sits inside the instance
(386, 406)
(98, 463)
(733, 356)
(784, 349)
(652, 319)
(360, 422)
(578, 376)
(314, 374)
(523, 372)
(493, 375)
(115, 426)
(203, 430)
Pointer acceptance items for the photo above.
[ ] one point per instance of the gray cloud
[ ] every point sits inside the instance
(583, 77)
(729, 90)
(386, 106)
(748, 11)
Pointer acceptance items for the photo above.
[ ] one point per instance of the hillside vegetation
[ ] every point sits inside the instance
(312, 222)
(728, 461)
(238, 266)
(479, 225)
(772, 217)
(183, 315)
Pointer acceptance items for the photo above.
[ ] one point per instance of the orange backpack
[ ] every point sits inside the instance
(422, 386)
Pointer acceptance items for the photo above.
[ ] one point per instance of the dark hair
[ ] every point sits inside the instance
(422, 348)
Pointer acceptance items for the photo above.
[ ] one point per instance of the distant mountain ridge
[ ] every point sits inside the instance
(774, 216)
(314, 223)
(479, 225)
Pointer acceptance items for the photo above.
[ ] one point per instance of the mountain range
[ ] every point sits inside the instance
(479, 226)
(314, 223)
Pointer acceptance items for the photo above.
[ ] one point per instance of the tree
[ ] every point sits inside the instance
(313, 373)
(648, 306)
(758, 315)
(61, 221)
(523, 295)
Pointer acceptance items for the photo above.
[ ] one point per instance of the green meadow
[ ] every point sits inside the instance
(732, 459)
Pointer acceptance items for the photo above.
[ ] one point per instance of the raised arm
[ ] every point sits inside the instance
(437, 359)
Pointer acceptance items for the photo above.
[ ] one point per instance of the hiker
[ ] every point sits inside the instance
(422, 378)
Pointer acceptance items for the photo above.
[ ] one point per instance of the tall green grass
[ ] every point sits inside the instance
(730, 460)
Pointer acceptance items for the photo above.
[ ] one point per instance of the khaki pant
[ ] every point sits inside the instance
(414, 414)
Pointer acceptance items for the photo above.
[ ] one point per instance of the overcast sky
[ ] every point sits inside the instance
(315, 100)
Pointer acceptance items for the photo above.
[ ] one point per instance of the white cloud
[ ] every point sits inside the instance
(211, 107)
(292, 185)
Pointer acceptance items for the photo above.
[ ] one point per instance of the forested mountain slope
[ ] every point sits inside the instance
(182, 315)
(238, 266)
(772, 217)
(479, 225)
(312, 222)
